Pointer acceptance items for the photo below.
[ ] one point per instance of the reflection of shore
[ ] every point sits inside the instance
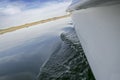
(2, 31)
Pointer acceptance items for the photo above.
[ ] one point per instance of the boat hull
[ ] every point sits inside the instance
(99, 32)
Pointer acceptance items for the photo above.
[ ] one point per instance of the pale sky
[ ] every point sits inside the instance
(17, 12)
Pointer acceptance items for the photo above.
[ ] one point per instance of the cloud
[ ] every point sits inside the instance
(11, 7)
(17, 14)
(10, 10)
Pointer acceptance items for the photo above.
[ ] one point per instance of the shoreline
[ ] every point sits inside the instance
(11, 29)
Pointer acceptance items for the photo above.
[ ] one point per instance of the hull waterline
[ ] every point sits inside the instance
(98, 29)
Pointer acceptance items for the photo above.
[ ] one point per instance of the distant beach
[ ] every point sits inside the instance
(11, 29)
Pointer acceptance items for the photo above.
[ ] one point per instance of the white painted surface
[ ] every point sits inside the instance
(99, 32)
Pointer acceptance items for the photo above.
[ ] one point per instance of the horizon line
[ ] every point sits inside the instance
(14, 28)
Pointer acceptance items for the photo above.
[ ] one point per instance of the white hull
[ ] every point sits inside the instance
(99, 32)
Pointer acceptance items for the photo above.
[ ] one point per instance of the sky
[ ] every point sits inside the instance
(17, 12)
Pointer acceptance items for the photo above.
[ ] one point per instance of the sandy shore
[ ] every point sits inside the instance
(3, 31)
